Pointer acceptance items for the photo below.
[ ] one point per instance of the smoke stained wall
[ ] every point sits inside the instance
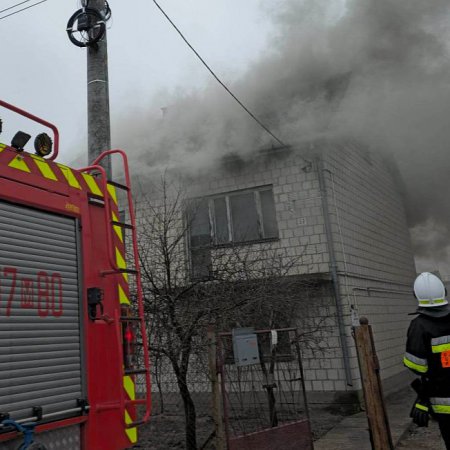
(374, 70)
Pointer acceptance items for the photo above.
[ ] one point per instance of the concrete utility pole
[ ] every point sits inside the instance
(99, 127)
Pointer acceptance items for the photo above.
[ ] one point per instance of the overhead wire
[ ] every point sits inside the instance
(264, 127)
(14, 6)
(20, 10)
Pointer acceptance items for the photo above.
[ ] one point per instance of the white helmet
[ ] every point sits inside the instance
(429, 291)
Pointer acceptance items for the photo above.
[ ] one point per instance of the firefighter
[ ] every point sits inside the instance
(428, 354)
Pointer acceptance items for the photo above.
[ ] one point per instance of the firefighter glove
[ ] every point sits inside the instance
(420, 412)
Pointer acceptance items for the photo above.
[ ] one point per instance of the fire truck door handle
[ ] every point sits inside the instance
(95, 299)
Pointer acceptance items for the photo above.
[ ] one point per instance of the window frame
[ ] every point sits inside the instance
(231, 238)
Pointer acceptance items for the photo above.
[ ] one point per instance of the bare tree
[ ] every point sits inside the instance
(253, 285)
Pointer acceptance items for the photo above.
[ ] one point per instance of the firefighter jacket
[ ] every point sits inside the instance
(428, 354)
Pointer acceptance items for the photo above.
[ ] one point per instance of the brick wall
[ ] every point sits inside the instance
(302, 235)
(372, 247)
(370, 240)
(297, 202)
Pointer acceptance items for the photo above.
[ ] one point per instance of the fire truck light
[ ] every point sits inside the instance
(129, 336)
(43, 144)
(19, 140)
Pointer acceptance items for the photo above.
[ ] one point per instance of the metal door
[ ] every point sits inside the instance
(40, 339)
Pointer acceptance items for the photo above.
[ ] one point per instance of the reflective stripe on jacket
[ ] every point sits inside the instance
(419, 365)
(440, 405)
(428, 355)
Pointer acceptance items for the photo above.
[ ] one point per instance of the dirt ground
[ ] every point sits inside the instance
(423, 438)
(166, 432)
(323, 419)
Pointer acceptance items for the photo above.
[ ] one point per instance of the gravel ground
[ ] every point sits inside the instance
(423, 438)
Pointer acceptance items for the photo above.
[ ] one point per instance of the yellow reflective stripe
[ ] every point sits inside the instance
(117, 229)
(417, 367)
(69, 176)
(440, 344)
(128, 384)
(441, 409)
(44, 168)
(112, 192)
(440, 348)
(121, 264)
(19, 164)
(131, 432)
(2, 147)
(92, 184)
(432, 302)
(421, 407)
(123, 299)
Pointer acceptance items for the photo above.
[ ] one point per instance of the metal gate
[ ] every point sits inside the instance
(40, 337)
(263, 390)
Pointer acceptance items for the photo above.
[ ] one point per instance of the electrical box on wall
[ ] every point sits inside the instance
(245, 347)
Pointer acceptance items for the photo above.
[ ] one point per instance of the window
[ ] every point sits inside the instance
(199, 238)
(234, 217)
(243, 216)
(240, 216)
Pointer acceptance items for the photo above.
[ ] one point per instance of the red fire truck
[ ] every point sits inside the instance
(72, 333)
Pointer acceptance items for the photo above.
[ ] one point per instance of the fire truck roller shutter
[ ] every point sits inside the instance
(40, 338)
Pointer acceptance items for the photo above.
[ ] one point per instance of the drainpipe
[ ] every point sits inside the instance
(334, 274)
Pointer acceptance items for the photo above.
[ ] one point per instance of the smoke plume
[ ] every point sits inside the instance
(377, 70)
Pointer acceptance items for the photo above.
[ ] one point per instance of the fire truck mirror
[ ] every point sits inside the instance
(95, 298)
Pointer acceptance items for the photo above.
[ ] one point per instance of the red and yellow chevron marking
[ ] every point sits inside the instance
(123, 296)
(49, 171)
(32, 165)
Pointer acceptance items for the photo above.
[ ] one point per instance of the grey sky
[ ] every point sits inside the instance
(45, 74)
(393, 53)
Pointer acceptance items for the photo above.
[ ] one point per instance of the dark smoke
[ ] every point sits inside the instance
(377, 70)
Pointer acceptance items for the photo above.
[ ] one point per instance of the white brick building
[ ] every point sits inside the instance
(337, 208)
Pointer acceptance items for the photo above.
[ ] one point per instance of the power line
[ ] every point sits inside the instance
(216, 77)
(17, 4)
(23, 9)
